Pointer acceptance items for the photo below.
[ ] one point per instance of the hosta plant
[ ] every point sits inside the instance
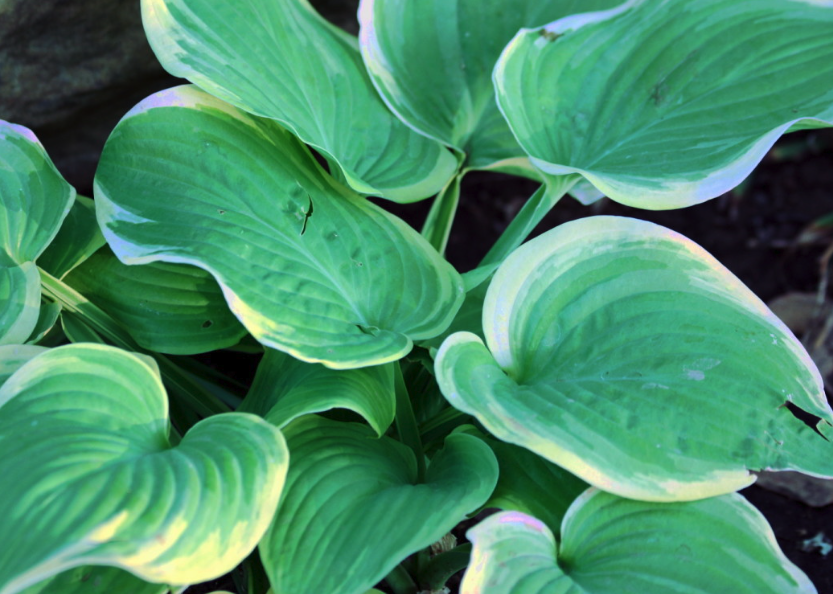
(608, 385)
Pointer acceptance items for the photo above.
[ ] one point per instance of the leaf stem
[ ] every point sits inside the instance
(437, 225)
(400, 581)
(524, 223)
(406, 425)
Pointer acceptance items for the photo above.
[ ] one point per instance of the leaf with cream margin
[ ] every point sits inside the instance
(279, 59)
(353, 508)
(14, 356)
(285, 388)
(628, 355)
(95, 580)
(309, 267)
(167, 308)
(610, 544)
(90, 477)
(47, 317)
(661, 107)
(432, 63)
(34, 199)
(78, 238)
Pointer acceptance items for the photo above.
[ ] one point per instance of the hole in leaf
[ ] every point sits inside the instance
(808, 419)
(207, 324)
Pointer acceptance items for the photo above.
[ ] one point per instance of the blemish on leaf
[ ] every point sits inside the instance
(221, 211)
(207, 324)
(371, 330)
(307, 215)
(549, 35)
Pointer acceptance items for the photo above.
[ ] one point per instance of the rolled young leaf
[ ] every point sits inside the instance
(34, 199)
(309, 267)
(167, 308)
(91, 478)
(353, 509)
(660, 107)
(609, 544)
(285, 389)
(279, 59)
(432, 62)
(625, 353)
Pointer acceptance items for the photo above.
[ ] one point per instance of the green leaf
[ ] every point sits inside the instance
(47, 317)
(661, 108)
(13, 356)
(352, 508)
(168, 308)
(432, 62)
(308, 267)
(34, 199)
(279, 59)
(78, 238)
(530, 484)
(285, 389)
(618, 545)
(628, 355)
(95, 580)
(91, 478)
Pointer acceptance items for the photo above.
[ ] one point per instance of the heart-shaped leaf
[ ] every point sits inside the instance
(34, 199)
(77, 239)
(168, 308)
(91, 478)
(432, 61)
(625, 353)
(663, 108)
(285, 389)
(610, 544)
(352, 505)
(279, 59)
(308, 267)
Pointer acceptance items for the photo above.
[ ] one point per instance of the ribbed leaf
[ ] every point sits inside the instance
(91, 478)
(611, 544)
(279, 59)
(308, 267)
(95, 580)
(168, 308)
(530, 484)
(77, 239)
(352, 508)
(625, 353)
(34, 199)
(285, 389)
(660, 107)
(432, 62)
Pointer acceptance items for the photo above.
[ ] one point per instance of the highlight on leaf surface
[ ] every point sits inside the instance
(610, 544)
(432, 62)
(309, 267)
(279, 59)
(625, 353)
(90, 477)
(661, 107)
(34, 200)
(353, 507)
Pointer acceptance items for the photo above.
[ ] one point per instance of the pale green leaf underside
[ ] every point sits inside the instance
(663, 108)
(95, 580)
(168, 308)
(308, 267)
(279, 59)
(432, 62)
(78, 238)
(91, 479)
(34, 199)
(625, 353)
(618, 545)
(285, 389)
(352, 508)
